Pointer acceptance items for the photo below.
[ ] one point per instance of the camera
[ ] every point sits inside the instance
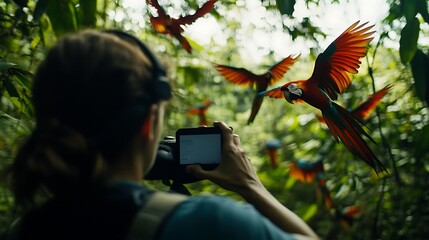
(202, 145)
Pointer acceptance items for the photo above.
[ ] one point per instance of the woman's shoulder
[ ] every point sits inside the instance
(217, 217)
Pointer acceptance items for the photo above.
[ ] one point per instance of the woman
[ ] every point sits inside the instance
(99, 99)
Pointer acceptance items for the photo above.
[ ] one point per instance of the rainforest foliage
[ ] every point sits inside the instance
(364, 205)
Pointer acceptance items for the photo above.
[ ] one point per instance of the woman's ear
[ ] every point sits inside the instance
(148, 130)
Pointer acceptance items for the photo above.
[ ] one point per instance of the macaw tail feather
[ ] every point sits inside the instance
(257, 102)
(184, 42)
(345, 126)
(325, 194)
(272, 153)
(203, 120)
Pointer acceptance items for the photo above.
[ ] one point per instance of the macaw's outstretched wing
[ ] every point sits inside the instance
(159, 9)
(196, 111)
(200, 108)
(364, 109)
(280, 68)
(305, 171)
(239, 76)
(158, 23)
(342, 57)
(273, 93)
(203, 10)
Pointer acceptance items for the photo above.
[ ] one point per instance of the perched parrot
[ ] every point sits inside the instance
(173, 26)
(271, 147)
(364, 109)
(200, 110)
(330, 77)
(244, 77)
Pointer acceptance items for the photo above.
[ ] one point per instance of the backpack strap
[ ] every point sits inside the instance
(152, 215)
(12, 232)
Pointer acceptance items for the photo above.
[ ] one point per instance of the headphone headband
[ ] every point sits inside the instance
(162, 88)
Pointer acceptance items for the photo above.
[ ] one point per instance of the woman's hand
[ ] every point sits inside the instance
(235, 171)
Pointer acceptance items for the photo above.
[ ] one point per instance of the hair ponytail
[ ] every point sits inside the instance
(54, 160)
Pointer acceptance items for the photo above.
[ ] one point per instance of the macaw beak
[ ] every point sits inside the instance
(288, 96)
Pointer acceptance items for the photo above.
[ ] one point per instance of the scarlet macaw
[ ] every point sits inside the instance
(365, 108)
(306, 171)
(271, 147)
(348, 215)
(330, 77)
(201, 109)
(244, 77)
(173, 26)
(325, 192)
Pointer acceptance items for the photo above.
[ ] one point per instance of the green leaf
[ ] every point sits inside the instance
(422, 142)
(62, 16)
(289, 183)
(5, 65)
(408, 41)
(194, 45)
(422, 8)
(286, 6)
(409, 9)
(311, 211)
(21, 3)
(40, 9)
(10, 88)
(23, 77)
(87, 12)
(395, 12)
(419, 67)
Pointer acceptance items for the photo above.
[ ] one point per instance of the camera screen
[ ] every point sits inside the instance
(200, 149)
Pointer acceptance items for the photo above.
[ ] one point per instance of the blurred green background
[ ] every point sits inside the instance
(249, 34)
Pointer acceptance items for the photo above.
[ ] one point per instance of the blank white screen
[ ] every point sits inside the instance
(203, 149)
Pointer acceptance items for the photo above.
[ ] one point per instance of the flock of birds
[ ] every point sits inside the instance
(330, 77)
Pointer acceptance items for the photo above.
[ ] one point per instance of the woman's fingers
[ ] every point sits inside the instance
(236, 139)
(226, 131)
(197, 171)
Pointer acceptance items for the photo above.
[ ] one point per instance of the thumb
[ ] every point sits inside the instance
(197, 171)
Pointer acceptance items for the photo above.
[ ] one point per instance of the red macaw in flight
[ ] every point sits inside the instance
(330, 77)
(326, 194)
(348, 215)
(166, 24)
(201, 109)
(364, 109)
(307, 172)
(271, 148)
(244, 77)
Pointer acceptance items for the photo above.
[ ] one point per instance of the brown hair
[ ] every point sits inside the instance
(90, 94)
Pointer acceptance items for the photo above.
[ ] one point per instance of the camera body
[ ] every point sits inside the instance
(201, 145)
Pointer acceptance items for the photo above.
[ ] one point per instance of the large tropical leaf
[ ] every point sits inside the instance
(408, 41)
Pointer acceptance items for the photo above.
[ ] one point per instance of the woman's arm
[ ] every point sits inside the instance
(236, 173)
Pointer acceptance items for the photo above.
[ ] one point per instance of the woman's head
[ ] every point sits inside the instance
(91, 95)
(93, 82)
